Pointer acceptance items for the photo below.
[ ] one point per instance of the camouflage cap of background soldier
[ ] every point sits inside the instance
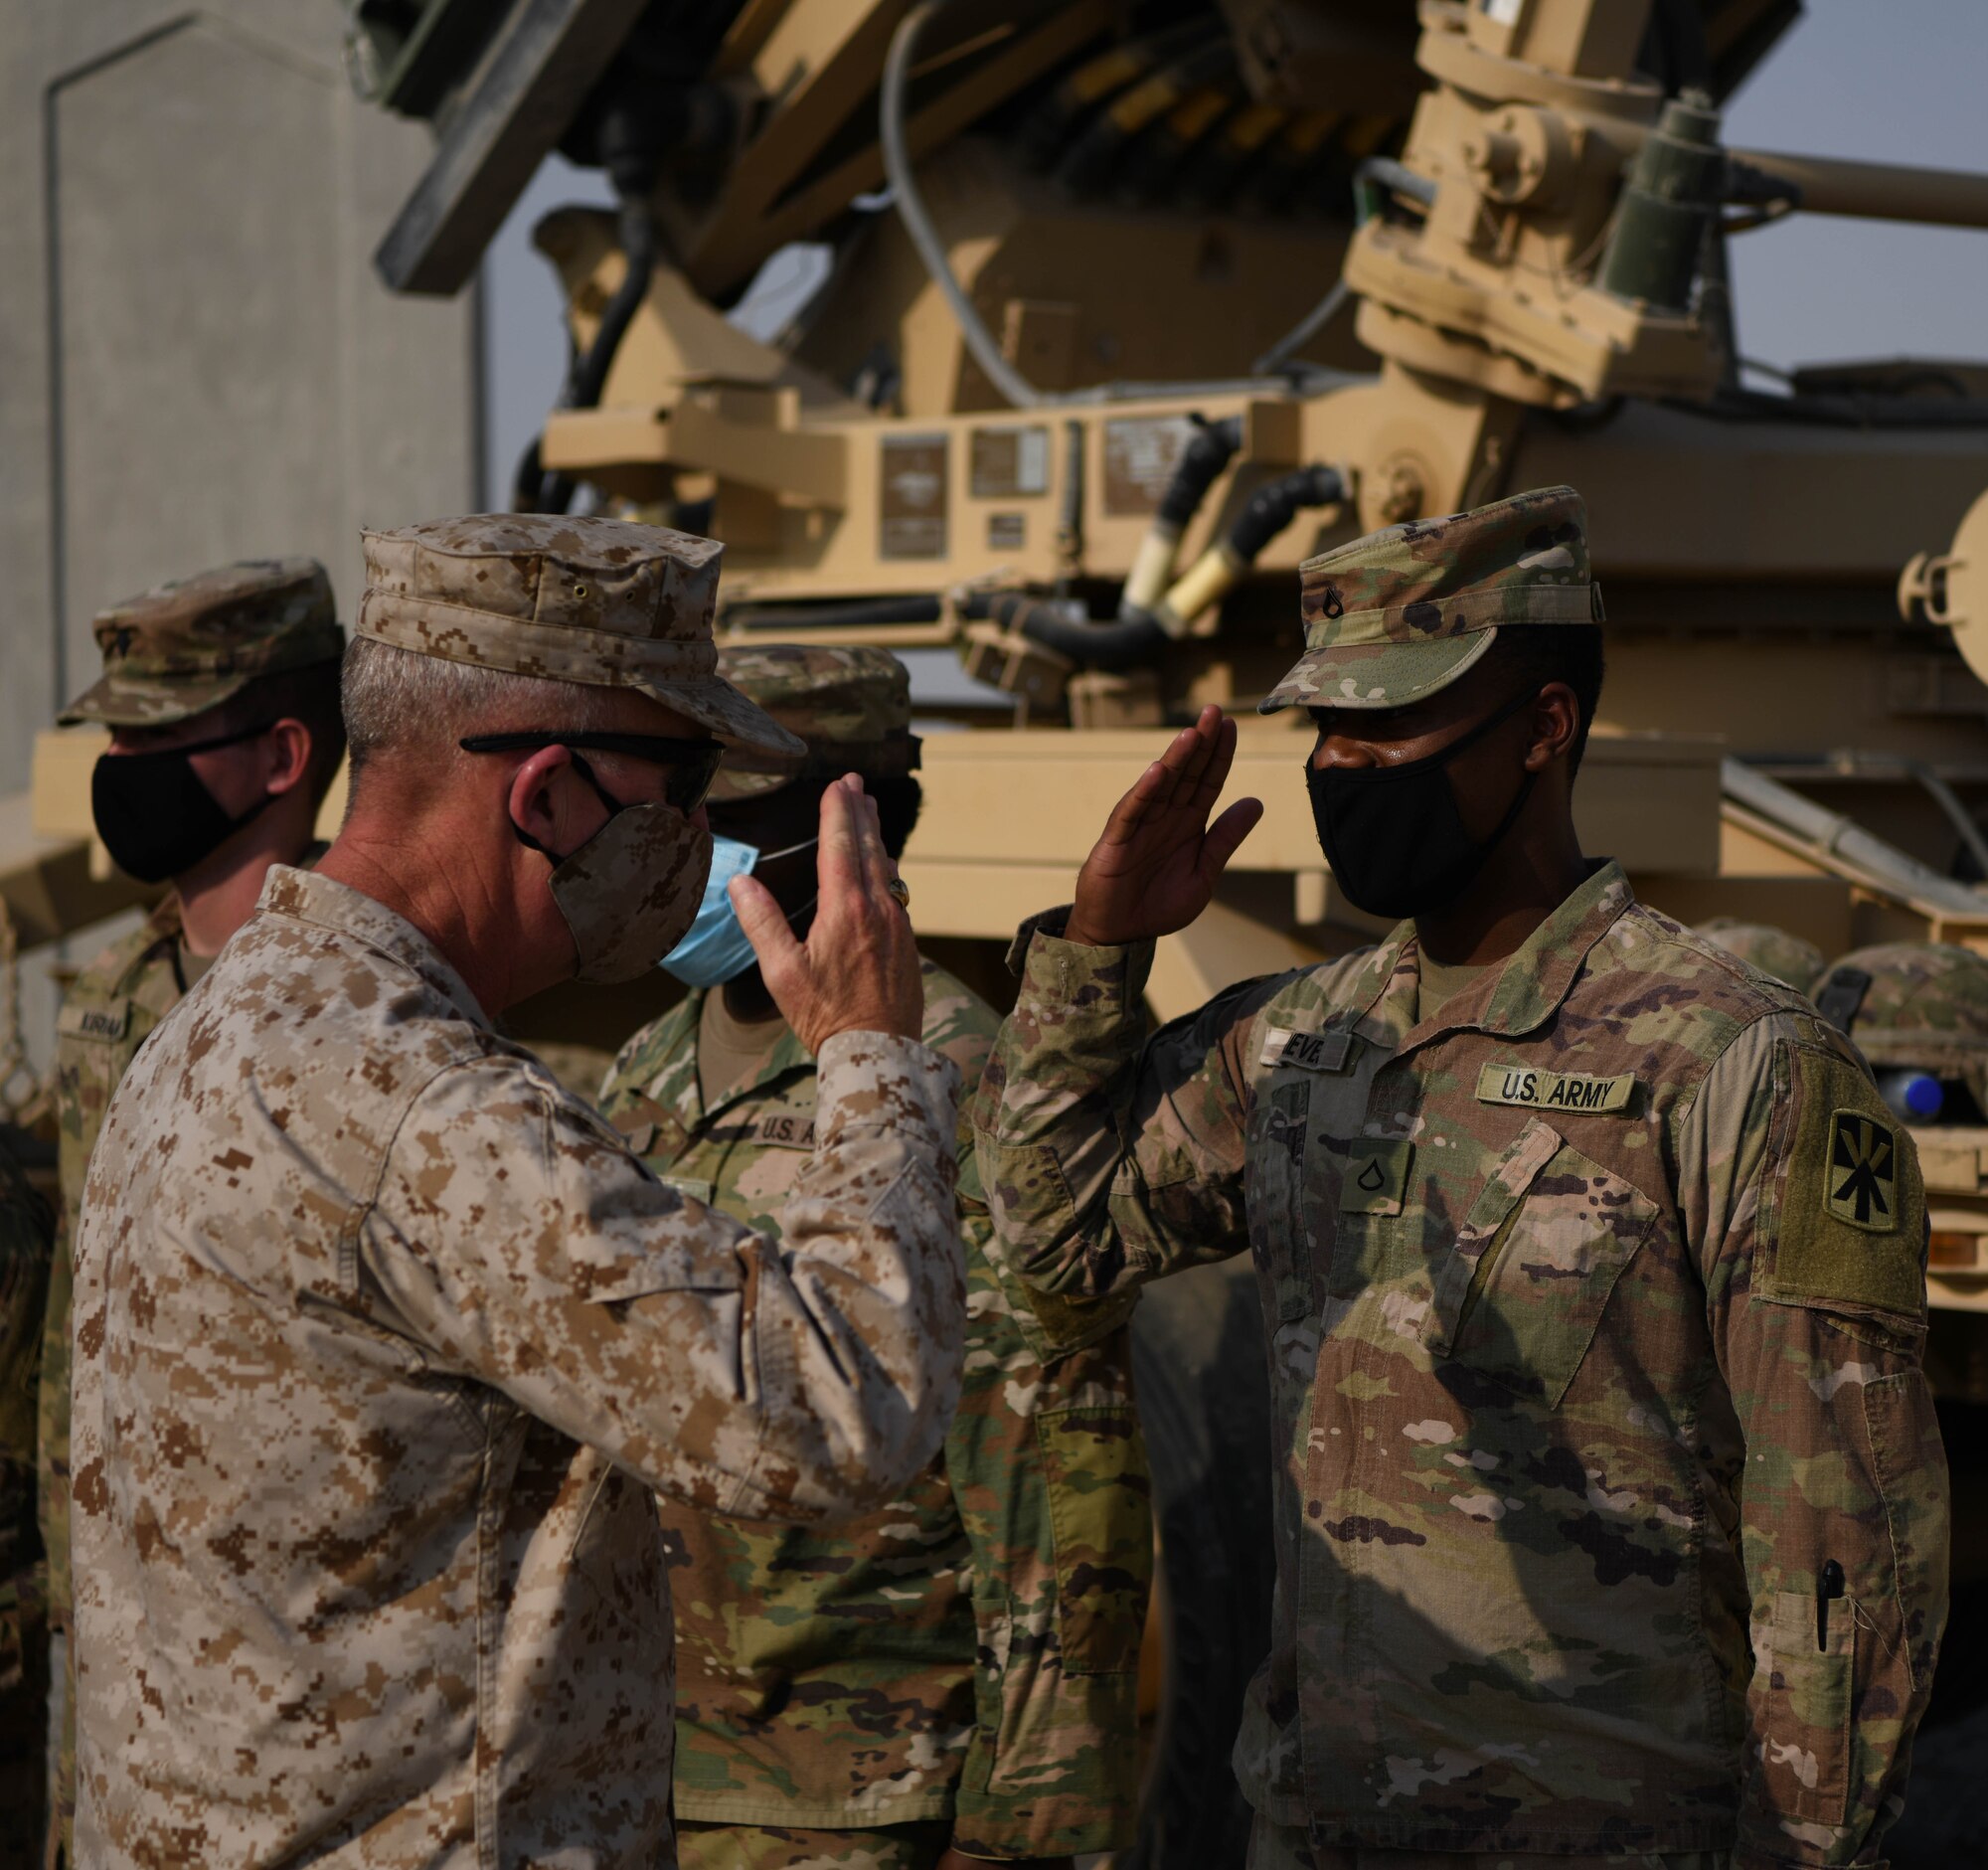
(851, 705)
(602, 603)
(1406, 611)
(186, 646)
(1918, 1005)
(1787, 957)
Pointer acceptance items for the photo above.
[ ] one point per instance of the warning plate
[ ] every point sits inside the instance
(912, 497)
(1004, 463)
(1139, 458)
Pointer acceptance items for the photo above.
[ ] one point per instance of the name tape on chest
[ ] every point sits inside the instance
(782, 1130)
(1309, 1051)
(109, 1023)
(1539, 1090)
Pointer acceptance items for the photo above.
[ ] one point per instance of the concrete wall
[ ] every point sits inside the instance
(197, 362)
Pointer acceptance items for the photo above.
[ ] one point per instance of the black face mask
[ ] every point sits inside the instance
(155, 817)
(1392, 835)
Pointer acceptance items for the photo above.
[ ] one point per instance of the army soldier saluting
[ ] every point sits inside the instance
(829, 1707)
(383, 1339)
(221, 694)
(1611, 1516)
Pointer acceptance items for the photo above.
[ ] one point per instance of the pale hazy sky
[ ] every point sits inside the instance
(1892, 80)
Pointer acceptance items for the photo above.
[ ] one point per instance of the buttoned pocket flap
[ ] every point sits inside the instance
(1504, 1188)
(1541, 1271)
(1100, 1516)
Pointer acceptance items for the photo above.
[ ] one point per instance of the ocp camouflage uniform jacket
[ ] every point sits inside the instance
(107, 1013)
(1595, 1307)
(382, 1342)
(26, 1238)
(828, 1678)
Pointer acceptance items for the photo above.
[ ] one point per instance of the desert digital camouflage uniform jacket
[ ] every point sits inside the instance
(828, 1678)
(1595, 1308)
(381, 1341)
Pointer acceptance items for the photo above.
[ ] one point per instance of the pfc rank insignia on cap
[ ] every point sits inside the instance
(1861, 1174)
(1554, 1091)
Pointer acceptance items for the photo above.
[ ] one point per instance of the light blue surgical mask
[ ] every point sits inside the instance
(716, 949)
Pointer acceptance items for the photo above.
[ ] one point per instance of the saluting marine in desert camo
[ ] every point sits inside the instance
(168, 654)
(1595, 1308)
(828, 1678)
(382, 1341)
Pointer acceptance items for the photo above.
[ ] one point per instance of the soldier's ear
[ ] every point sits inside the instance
(1556, 724)
(540, 796)
(289, 744)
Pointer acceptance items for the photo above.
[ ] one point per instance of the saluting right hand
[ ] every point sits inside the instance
(858, 971)
(1155, 868)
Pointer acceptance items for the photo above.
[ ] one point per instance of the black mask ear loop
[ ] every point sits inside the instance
(601, 793)
(1448, 753)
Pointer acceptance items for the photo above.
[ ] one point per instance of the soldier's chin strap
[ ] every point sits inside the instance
(1840, 1001)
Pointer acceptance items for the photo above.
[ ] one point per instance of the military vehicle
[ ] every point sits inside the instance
(1130, 306)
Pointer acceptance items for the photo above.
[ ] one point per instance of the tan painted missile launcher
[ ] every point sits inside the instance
(1126, 311)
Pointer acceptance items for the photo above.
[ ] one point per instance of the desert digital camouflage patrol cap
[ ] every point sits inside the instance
(851, 705)
(602, 603)
(1920, 1005)
(1402, 612)
(1787, 957)
(183, 646)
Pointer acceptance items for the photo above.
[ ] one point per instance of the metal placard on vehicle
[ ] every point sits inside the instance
(1005, 462)
(912, 497)
(1140, 456)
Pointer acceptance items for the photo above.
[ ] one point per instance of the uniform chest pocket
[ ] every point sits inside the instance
(1522, 1290)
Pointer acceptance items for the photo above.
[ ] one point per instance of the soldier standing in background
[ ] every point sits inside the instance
(1919, 1013)
(384, 1341)
(1790, 959)
(221, 694)
(1611, 1509)
(27, 1236)
(830, 1710)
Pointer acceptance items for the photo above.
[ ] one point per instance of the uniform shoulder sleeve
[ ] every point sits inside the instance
(516, 1236)
(1788, 1148)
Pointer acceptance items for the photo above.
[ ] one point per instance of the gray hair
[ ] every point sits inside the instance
(399, 701)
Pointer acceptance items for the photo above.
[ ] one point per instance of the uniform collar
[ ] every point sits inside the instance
(307, 896)
(162, 928)
(684, 1089)
(1511, 1000)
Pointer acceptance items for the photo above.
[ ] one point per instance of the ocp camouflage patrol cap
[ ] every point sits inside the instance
(602, 603)
(1403, 612)
(851, 705)
(1926, 1007)
(187, 646)
(1787, 957)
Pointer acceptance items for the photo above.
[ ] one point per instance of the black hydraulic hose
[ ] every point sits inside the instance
(1273, 508)
(1118, 645)
(1208, 451)
(540, 493)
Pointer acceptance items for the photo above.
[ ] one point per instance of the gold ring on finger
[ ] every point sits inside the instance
(900, 893)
